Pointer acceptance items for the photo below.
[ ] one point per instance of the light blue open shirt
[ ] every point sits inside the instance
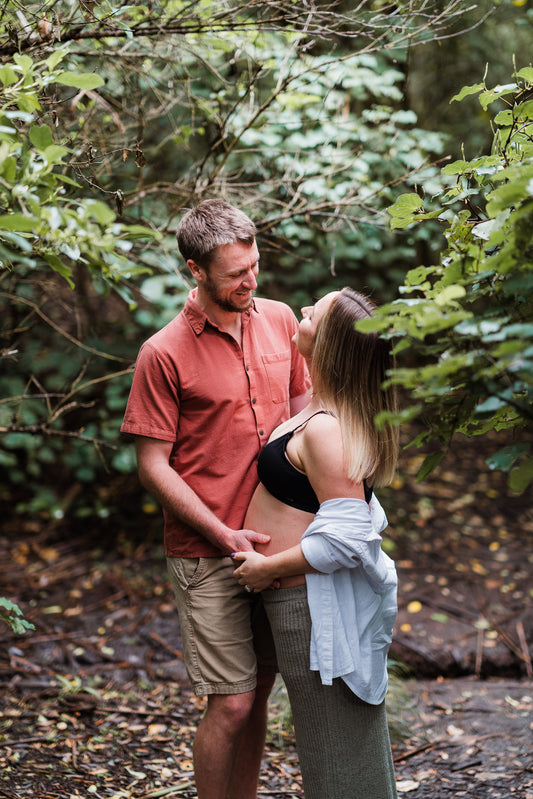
(352, 597)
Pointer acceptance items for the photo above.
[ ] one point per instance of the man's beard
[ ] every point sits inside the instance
(226, 305)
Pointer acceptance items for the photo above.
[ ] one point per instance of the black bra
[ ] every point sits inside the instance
(283, 480)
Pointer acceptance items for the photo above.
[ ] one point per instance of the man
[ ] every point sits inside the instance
(208, 390)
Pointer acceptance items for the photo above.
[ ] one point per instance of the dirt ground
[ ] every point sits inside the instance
(95, 701)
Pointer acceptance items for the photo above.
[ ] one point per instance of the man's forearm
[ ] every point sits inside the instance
(181, 501)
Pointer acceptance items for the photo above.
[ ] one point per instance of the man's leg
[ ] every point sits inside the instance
(220, 653)
(217, 742)
(251, 745)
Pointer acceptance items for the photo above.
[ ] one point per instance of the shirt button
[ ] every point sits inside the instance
(254, 401)
(261, 433)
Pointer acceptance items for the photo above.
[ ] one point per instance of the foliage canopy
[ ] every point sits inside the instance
(113, 119)
(467, 322)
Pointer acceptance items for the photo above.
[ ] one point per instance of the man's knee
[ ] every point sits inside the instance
(230, 711)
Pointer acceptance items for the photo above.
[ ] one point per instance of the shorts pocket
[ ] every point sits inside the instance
(188, 572)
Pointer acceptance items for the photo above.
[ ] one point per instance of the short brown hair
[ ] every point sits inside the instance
(211, 224)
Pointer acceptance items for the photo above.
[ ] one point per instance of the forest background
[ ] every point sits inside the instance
(342, 129)
(385, 146)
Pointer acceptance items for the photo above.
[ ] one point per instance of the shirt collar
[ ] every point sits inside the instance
(198, 319)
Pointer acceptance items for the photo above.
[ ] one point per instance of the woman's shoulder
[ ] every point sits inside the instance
(322, 421)
(322, 434)
(322, 458)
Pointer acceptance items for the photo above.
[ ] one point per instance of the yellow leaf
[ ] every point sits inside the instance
(53, 609)
(77, 610)
(49, 554)
(414, 607)
(156, 729)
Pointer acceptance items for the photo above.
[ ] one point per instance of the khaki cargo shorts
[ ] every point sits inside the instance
(225, 632)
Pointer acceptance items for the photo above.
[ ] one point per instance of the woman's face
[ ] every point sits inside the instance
(304, 338)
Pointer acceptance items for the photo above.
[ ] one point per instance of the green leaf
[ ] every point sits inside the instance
(55, 58)
(449, 294)
(404, 209)
(504, 117)
(18, 222)
(490, 405)
(68, 180)
(419, 275)
(429, 464)
(81, 80)
(525, 110)
(28, 102)
(441, 618)
(12, 615)
(58, 266)
(504, 459)
(7, 75)
(41, 136)
(98, 210)
(140, 232)
(55, 152)
(457, 168)
(466, 91)
(8, 168)
(24, 63)
(21, 242)
(526, 73)
(489, 97)
(521, 476)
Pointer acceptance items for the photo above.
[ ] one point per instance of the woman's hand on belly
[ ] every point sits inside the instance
(259, 571)
(255, 572)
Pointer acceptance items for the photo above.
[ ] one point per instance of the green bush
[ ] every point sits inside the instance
(464, 327)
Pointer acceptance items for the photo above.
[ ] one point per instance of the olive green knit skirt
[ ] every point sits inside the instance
(343, 743)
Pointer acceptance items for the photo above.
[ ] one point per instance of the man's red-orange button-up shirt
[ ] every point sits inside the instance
(218, 404)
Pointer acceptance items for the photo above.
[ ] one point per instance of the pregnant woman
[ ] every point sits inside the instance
(328, 587)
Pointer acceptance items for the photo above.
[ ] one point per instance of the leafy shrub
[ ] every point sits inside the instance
(11, 614)
(464, 327)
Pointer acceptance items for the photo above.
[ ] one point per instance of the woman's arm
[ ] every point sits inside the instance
(318, 451)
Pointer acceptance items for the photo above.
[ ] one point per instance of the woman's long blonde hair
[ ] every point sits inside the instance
(348, 370)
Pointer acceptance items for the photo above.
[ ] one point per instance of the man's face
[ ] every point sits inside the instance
(230, 281)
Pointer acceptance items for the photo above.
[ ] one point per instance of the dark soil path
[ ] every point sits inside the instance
(95, 701)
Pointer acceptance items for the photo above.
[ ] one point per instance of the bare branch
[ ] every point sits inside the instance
(392, 24)
(16, 299)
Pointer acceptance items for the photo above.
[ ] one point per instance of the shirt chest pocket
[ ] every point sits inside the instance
(277, 366)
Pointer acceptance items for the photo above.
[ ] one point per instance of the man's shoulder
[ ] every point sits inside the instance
(169, 336)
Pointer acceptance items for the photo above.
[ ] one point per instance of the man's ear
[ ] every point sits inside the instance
(197, 272)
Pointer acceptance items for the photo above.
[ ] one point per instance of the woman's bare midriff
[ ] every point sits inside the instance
(284, 525)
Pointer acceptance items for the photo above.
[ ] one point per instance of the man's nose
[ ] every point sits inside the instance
(249, 281)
